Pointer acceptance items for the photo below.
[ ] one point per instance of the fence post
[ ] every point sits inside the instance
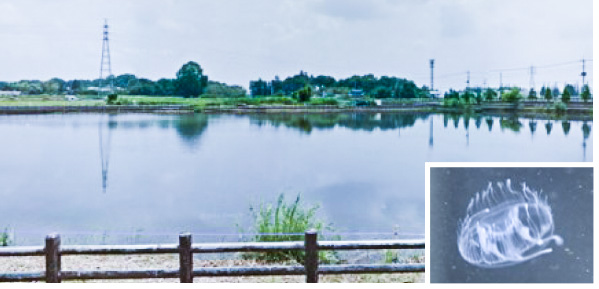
(311, 260)
(185, 258)
(53, 258)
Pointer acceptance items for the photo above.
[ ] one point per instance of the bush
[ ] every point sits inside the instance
(364, 102)
(111, 98)
(560, 107)
(453, 103)
(291, 220)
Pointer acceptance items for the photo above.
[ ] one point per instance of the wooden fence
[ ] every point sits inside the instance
(311, 268)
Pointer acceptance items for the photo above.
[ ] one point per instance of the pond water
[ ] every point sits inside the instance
(140, 178)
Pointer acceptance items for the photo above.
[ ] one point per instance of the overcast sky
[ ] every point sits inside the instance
(236, 41)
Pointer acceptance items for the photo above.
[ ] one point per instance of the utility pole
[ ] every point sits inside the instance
(468, 80)
(500, 83)
(532, 79)
(432, 62)
(583, 74)
(105, 87)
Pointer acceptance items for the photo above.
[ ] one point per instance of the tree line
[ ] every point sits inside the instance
(323, 85)
(190, 81)
(515, 94)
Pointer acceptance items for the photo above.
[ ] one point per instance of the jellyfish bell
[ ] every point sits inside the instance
(504, 227)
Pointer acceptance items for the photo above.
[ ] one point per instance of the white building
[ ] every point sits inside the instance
(71, 97)
(10, 92)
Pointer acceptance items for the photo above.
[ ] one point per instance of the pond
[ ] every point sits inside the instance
(139, 178)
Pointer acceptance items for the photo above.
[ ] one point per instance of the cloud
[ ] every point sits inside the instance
(350, 10)
(456, 21)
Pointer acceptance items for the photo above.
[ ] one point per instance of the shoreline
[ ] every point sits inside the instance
(578, 111)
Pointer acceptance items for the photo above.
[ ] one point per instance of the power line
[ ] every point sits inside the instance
(513, 69)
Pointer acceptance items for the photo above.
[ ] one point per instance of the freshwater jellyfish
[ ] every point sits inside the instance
(504, 227)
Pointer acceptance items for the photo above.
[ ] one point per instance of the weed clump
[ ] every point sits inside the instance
(285, 222)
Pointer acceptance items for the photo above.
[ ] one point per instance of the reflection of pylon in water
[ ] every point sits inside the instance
(430, 136)
(104, 153)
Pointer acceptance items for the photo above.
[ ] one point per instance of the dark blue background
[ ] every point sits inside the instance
(570, 195)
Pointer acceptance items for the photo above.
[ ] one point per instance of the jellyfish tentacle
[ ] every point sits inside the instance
(556, 238)
(536, 254)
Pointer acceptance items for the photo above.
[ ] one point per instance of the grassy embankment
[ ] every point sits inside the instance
(340, 103)
(199, 103)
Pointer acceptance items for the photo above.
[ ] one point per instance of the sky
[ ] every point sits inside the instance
(236, 41)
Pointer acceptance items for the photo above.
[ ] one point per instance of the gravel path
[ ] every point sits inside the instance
(138, 262)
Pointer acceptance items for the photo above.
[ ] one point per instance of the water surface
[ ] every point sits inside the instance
(169, 173)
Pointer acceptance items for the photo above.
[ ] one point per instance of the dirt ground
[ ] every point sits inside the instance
(140, 262)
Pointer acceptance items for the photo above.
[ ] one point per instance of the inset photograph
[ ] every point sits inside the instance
(511, 225)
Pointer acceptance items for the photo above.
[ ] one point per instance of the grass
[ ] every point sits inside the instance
(405, 256)
(285, 222)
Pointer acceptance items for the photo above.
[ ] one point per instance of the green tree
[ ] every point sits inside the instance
(143, 86)
(555, 92)
(190, 81)
(452, 94)
(123, 80)
(165, 86)
(566, 95)
(53, 86)
(259, 88)
(586, 93)
(323, 80)
(532, 94)
(304, 94)
(548, 96)
(571, 89)
(512, 96)
(382, 92)
(479, 97)
(490, 94)
(223, 90)
(467, 96)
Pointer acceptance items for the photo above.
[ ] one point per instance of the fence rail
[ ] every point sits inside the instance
(185, 248)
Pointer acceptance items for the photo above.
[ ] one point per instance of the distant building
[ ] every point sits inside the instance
(356, 93)
(71, 97)
(10, 92)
